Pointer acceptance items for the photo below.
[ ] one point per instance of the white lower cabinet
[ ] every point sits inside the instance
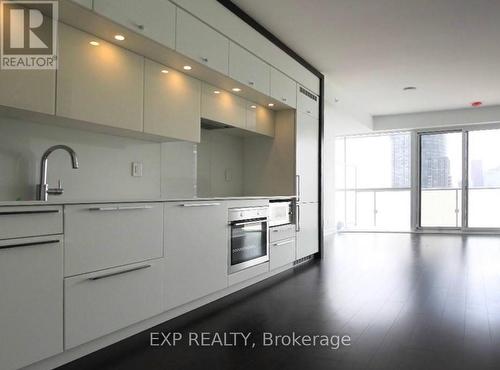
(196, 247)
(31, 308)
(100, 236)
(281, 253)
(307, 234)
(19, 222)
(101, 302)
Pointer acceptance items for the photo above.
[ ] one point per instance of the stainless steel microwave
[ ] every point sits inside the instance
(281, 212)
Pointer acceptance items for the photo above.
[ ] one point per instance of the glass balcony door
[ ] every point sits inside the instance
(441, 179)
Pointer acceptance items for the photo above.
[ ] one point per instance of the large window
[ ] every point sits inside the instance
(373, 182)
(484, 179)
(441, 179)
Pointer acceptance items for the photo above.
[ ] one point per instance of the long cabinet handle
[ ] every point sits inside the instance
(40, 211)
(297, 178)
(119, 272)
(259, 221)
(120, 208)
(29, 244)
(200, 204)
(283, 243)
(297, 221)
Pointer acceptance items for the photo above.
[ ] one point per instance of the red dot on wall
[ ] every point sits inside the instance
(476, 104)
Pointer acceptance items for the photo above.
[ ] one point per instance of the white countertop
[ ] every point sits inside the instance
(53, 202)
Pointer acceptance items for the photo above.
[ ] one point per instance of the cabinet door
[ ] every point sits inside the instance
(307, 226)
(171, 103)
(99, 303)
(248, 69)
(221, 106)
(307, 146)
(154, 19)
(260, 119)
(265, 121)
(307, 102)
(196, 246)
(201, 43)
(283, 88)
(33, 90)
(100, 236)
(101, 84)
(31, 311)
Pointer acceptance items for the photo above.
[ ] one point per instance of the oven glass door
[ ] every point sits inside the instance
(248, 243)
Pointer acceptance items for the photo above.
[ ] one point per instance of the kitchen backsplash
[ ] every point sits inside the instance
(170, 170)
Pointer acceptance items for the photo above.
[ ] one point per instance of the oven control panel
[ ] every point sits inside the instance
(248, 213)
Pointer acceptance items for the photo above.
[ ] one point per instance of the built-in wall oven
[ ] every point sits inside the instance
(248, 240)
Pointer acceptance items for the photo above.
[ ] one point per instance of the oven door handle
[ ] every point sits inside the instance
(248, 222)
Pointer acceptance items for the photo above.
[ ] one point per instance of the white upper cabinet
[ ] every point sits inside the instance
(33, 90)
(221, 106)
(172, 103)
(154, 19)
(307, 102)
(101, 84)
(260, 119)
(201, 43)
(283, 88)
(248, 69)
(307, 144)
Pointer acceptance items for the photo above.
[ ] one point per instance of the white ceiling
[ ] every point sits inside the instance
(371, 49)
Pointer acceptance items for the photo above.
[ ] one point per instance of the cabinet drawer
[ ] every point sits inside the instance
(281, 253)
(307, 102)
(101, 236)
(283, 88)
(248, 69)
(31, 308)
(99, 303)
(281, 232)
(201, 43)
(154, 19)
(18, 222)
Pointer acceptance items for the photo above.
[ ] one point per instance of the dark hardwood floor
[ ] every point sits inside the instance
(407, 302)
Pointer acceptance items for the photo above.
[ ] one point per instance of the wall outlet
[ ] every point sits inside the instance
(137, 169)
(228, 174)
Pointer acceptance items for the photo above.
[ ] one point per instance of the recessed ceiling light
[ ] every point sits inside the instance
(187, 68)
(119, 37)
(164, 71)
(236, 89)
(270, 105)
(409, 88)
(216, 92)
(477, 104)
(94, 43)
(253, 106)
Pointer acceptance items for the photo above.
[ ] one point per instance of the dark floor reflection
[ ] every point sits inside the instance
(407, 301)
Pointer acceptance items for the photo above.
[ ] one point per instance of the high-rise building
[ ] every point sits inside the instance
(401, 165)
(435, 167)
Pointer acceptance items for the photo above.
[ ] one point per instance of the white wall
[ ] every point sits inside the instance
(455, 117)
(342, 117)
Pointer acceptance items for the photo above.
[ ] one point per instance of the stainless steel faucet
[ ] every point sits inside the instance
(43, 187)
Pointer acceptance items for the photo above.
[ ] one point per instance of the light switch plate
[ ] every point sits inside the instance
(228, 174)
(137, 169)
